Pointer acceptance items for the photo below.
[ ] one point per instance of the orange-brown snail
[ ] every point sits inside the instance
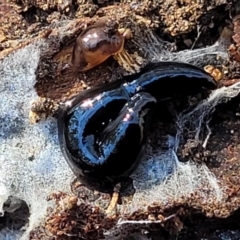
(97, 43)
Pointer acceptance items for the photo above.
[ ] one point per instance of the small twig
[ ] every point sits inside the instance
(114, 199)
(208, 136)
(121, 222)
(199, 32)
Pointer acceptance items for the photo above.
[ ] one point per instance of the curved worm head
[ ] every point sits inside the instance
(168, 79)
(102, 155)
(95, 44)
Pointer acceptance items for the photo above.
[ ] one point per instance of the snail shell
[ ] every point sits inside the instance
(94, 45)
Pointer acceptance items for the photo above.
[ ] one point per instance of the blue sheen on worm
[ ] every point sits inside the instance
(102, 131)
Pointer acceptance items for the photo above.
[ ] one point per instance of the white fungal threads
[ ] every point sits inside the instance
(30, 181)
(49, 172)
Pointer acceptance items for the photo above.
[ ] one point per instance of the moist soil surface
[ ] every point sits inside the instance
(185, 25)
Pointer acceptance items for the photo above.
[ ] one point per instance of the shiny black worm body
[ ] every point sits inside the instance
(102, 131)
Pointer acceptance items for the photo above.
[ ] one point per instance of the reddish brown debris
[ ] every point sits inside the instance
(236, 36)
(214, 72)
(234, 49)
(71, 217)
